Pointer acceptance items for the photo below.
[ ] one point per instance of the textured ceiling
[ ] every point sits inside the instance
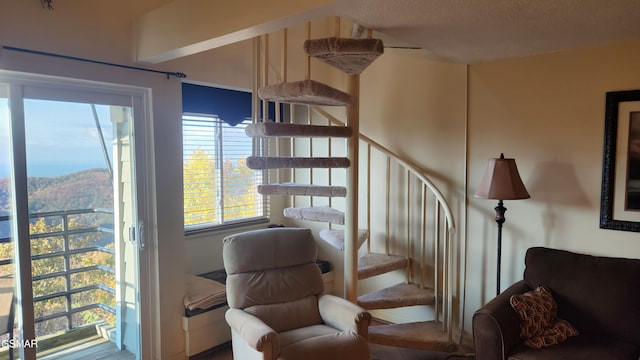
(472, 31)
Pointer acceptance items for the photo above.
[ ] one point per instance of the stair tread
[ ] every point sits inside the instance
(302, 190)
(399, 295)
(268, 129)
(424, 335)
(372, 264)
(306, 92)
(277, 162)
(315, 213)
(336, 237)
(352, 56)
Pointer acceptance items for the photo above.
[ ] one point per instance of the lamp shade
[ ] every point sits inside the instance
(502, 181)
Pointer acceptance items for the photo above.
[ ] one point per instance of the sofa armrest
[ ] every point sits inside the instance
(344, 315)
(258, 335)
(496, 326)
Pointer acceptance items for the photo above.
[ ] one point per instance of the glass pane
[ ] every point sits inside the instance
(218, 186)
(70, 149)
(6, 249)
(71, 146)
(7, 266)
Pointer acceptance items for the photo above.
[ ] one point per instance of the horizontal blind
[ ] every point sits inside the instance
(218, 187)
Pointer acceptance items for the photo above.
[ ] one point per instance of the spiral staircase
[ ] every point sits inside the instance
(372, 205)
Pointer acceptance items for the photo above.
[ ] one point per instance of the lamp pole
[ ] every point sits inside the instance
(500, 210)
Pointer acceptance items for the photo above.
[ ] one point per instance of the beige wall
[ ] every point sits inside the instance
(548, 113)
(415, 107)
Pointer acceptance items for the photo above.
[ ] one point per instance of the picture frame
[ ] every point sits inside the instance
(620, 197)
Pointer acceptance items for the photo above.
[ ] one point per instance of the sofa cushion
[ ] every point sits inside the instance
(539, 326)
(600, 296)
(580, 347)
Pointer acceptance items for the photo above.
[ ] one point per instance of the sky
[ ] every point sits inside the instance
(61, 137)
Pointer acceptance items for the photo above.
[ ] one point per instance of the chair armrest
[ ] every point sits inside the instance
(254, 331)
(344, 315)
(496, 326)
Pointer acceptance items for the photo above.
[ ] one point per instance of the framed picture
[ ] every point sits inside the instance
(620, 199)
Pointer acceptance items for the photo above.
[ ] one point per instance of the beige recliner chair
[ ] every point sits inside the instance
(277, 308)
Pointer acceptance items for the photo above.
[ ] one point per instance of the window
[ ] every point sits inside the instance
(219, 189)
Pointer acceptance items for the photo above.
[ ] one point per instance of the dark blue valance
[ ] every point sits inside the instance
(231, 106)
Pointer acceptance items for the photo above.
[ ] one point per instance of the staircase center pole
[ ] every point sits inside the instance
(351, 214)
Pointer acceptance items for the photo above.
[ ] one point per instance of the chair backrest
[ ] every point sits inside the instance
(272, 273)
(598, 295)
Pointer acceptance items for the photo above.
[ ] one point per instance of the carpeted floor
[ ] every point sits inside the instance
(378, 352)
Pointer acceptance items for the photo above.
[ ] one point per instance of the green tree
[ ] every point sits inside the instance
(200, 184)
(41, 244)
(242, 190)
(201, 197)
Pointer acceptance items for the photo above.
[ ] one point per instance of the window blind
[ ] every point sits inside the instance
(218, 187)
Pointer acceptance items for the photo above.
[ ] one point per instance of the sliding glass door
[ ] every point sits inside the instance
(74, 211)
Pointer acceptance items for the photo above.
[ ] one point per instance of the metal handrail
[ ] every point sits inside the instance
(415, 169)
(66, 253)
(444, 237)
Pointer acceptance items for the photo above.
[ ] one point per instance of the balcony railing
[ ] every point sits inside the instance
(61, 244)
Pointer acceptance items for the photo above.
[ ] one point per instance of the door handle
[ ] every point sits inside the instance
(142, 243)
(137, 234)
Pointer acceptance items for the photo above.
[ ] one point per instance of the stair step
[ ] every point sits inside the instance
(315, 213)
(267, 129)
(306, 92)
(424, 335)
(351, 56)
(302, 190)
(274, 162)
(396, 296)
(372, 264)
(336, 237)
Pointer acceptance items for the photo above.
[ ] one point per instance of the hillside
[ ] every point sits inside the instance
(81, 190)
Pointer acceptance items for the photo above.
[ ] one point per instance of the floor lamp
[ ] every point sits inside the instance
(501, 181)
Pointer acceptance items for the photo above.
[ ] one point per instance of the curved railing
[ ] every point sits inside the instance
(425, 208)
